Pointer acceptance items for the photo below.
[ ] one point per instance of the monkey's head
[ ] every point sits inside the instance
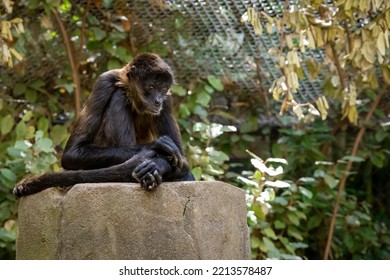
(149, 80)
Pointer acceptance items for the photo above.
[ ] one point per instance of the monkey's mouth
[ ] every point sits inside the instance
(155, 111)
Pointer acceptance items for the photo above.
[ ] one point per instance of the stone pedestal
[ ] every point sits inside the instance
(181, 220)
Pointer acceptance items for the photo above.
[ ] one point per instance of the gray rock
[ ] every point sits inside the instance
(181, 220)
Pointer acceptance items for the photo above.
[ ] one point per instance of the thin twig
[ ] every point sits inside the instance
(82, 34)
(345, 176)
(73, 65)
(340, 70)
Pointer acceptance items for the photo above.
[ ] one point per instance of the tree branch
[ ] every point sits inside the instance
(345, 175)
(72, 60)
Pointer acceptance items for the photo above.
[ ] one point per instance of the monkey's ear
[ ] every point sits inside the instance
(131, 69)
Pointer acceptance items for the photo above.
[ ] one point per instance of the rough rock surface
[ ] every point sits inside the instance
(181, 220)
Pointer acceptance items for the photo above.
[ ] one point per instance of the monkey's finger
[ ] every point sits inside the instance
(158, 177)
(151, 182)
(141, 166)
(149, 154)
(145, 169)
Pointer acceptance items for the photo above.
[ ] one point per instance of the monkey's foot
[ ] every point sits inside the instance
(21, 189)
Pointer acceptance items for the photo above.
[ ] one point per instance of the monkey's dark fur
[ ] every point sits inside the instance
(125, 133)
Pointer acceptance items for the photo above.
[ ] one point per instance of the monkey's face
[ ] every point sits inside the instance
(155, 89)
(149, 80)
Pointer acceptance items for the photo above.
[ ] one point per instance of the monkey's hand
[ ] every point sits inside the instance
(168, 148)
(148, 174)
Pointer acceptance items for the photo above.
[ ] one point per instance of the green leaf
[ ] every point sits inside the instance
(37, 84)
(293, 218)
(43, 124)
(184, 110)
(294, 232)
(378, 159)
(250, 125)
(270, 233)
(44, 145)
(330, 181)
(21, 130)
(113, 63)
(179, 90)
(307, 180)
(314, 221)
(353, 159)
(8, 174)
(27, 116)
(99, 33)
(122, 54)
(380, 135)
(197, 172)
(203, 98)
(299, 245)
(348, 241)
(217, 157)
(209, 89)
(7, 236)
(58, 134)
(200, 111)
(277, 184)
(255, 242)
(290, 257)
(215, 82)
(19, 89)
(279, 224)
(23, 145)
(306, 192)
(31, 95)
(277, 160)
(7, 123)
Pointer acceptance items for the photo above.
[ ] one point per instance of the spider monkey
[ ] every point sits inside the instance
(125, 133)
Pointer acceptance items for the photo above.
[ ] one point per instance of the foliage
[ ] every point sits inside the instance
(287, 213)
(7, 27)
(202, 135)
(289, 205)
(353, 37)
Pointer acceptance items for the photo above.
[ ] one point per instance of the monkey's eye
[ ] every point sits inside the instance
(150, 87)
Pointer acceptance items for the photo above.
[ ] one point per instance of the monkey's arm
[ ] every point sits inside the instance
(170, 145)
(81, 152)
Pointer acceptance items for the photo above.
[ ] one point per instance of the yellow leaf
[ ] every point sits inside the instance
(319, 37)
(8, 6)
(372, 80)
(352, 115)
(388, 17)
(386, 74)
(298, 112)
(381, 44)
(293, 83)
(46, 22)
(310, 38)
(289, 42)
(16, 54)
(16, 20)
(321, 107)
(348, 5)
(386, 36)
(368, 52)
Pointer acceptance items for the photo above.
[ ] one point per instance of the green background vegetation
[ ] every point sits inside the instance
(308, 168)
